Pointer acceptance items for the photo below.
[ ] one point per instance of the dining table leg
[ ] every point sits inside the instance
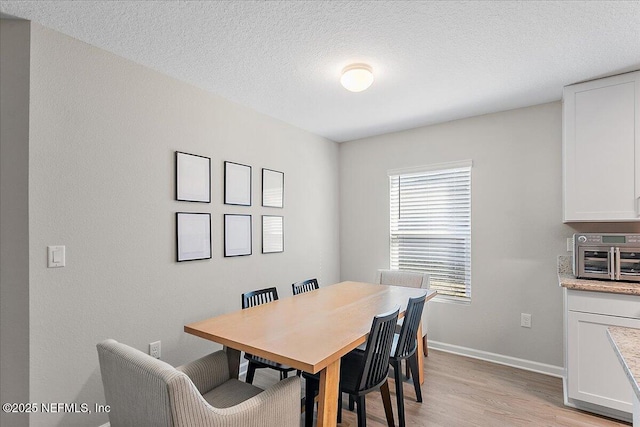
(420, 353)
(328, 396)
(233, 358)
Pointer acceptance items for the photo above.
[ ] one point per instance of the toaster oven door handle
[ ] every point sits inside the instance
(617, 261)
(612, 263)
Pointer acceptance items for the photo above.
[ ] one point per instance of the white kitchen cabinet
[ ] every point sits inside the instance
(601, 149)
(595, 380)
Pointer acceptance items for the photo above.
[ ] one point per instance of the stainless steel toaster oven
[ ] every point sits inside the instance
(612, 256)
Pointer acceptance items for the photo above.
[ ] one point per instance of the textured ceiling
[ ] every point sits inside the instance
(433, 61)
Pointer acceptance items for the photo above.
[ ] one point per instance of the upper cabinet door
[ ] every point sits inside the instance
(601, 149)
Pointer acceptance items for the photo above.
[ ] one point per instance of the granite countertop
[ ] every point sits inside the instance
(626, 343)
(569, 281)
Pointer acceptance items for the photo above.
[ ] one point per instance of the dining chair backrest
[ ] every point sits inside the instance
(407, 343)
(305, 286)
(261, 296)
(376, 354)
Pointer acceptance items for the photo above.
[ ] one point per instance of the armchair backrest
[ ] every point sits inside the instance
(411, 279)
(135, 386)
(146, 392)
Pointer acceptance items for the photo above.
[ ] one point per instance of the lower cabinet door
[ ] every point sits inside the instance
(594, 373)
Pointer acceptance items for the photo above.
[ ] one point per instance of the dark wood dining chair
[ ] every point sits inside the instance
(410, 279)
(305, 286)
(362, 372)
(405, 347)
(251, 299)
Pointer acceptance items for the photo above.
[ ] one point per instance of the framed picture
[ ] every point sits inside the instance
(272, 234)
(193, 236)
(237, 235)
(193, 178)
(237, 184)
(272, 188)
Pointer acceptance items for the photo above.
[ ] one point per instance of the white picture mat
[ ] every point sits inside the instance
(237, 235)
(237, 184)
(272, 188)
(193, 175)
(272, 234)
(194, 236)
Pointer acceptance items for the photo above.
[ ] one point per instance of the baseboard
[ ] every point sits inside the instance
(600, 410)
(527, 365)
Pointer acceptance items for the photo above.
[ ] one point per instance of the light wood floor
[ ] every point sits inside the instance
(461, 392)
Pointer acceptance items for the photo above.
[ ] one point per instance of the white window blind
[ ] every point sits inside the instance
(431, 226)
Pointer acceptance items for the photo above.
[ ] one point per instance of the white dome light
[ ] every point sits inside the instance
(356, 77)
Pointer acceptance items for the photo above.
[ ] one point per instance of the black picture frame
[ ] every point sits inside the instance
(272, 188)
(193, 177)
(238, 235)
(237, 184)
(272, 234)
(193, 236)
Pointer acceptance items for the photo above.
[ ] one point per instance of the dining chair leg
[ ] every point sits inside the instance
(340, 407)
(413, 364)
(386, 402)
(352, 403)
(399, 390)
(251, 370)
(310, 389)
(425, 349)
(407, 371)
(362, 412)
(283, 375)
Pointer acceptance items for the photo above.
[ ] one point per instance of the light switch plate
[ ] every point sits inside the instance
(55, 256)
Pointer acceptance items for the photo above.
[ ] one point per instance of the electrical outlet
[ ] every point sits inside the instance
(154, 349)
(525, 320)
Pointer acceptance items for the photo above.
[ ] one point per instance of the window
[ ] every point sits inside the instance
(430, 211)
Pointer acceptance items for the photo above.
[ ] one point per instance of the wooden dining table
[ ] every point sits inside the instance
(309, 331)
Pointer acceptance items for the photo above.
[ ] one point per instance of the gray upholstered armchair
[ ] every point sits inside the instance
(410, 279)
(146, 392)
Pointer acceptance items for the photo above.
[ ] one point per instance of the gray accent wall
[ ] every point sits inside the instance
(517, 229)
(103, 132)
(14, 218)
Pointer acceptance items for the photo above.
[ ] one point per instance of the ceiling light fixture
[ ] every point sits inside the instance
(356, 77)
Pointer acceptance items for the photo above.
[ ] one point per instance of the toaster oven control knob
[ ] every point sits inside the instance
(582, 239)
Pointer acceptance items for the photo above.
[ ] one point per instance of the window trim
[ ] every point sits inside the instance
(430, 168)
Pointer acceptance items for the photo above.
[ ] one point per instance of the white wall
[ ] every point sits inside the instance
(103, 132)
(14, 220)
(517, 229)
